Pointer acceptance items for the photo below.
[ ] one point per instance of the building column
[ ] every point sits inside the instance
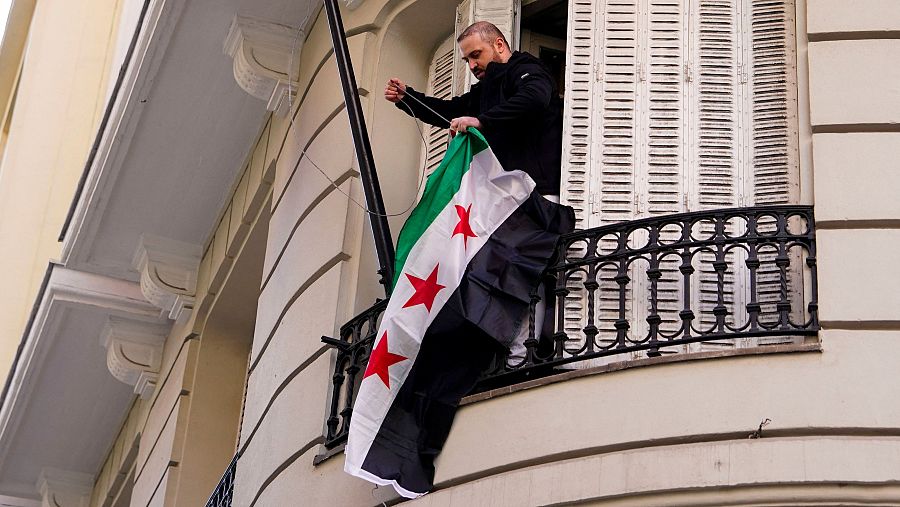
(854, 105)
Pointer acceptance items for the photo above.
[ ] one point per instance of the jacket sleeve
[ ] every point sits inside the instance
(449, 109)
(533, 91)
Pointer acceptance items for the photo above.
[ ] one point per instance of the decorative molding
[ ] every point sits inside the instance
(134, 352)
(62, 487)
(168, 271)
(263, 51)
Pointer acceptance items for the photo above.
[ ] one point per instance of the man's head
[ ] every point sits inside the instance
(480, 44)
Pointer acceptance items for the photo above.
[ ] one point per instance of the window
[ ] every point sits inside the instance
(543, 35)
(670, 106)
(679, 105)
(675, 106)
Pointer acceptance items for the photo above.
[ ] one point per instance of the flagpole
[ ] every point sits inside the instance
(384, 246)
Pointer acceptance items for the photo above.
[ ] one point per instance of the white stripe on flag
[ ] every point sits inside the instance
(494, 195)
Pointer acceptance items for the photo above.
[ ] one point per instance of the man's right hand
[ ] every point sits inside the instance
(395, 90)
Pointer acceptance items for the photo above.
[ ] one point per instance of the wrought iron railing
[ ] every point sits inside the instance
(353, 348)
(223, 495)
(673, 284)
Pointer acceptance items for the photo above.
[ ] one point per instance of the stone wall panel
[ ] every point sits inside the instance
(854, 82)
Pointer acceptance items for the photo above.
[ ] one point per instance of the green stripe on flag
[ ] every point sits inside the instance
(440, 188)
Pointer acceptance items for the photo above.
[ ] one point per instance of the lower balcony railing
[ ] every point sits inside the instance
(673, 284)
(223, 495)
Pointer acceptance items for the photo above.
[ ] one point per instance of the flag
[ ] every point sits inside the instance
(468, 258)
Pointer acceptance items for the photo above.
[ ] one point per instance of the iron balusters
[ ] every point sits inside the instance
(673, 284)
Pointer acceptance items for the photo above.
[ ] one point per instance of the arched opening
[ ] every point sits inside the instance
(220, 374)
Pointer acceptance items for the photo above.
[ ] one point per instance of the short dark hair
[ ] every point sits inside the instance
(487, 31)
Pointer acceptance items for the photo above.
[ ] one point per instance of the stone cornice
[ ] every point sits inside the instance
(168, 270)
(263, 51)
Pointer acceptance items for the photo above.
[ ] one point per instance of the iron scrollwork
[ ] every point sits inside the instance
(662, 285)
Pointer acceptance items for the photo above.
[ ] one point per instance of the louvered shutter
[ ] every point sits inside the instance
(743, 77)
(772, 176)
(662, 138)
(715, 116)
(677, 105)
(440, 85)
(502, 13)
(625, 136)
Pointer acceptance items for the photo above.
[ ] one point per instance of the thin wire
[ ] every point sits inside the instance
(363, 206)
(423, 105)
(334, 184)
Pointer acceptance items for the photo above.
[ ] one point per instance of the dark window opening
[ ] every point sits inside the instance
(544, 35)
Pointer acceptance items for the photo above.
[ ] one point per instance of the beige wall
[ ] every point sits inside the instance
(56, 113)
(186, 432)
(854, 103)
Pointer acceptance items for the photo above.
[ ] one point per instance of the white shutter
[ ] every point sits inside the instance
(578, 147)
(659, 169)
(440, 85)
(772, 177)
(502, 13)
(465, 16)
(582, 70)
(671, 106)
(715, 117)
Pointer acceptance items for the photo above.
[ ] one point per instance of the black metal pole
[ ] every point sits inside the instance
(384, 246)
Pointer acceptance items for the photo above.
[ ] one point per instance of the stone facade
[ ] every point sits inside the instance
(239, 369)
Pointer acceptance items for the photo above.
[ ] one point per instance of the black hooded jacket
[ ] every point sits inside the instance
(520, 111)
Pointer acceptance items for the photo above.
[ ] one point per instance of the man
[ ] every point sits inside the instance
(516, 106)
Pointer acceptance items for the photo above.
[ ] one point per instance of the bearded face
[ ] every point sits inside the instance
(478, 53)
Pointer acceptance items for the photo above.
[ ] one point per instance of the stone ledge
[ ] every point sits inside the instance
(625, 365)
(324, 454)
(809, 470)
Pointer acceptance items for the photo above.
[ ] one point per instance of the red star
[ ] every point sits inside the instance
(380, 360)
(426, 290)
(463, 226)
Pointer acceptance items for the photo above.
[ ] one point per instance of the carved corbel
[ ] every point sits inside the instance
(168, 271)
(134, 352)
(62, 487)
(263, 53)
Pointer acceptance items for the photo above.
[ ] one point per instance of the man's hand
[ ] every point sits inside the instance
(395, 90)
(463, 123)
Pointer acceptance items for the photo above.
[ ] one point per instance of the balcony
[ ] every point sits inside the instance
(223, 495)
(677, 284)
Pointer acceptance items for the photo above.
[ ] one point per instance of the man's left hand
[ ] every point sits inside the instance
(463, 123)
